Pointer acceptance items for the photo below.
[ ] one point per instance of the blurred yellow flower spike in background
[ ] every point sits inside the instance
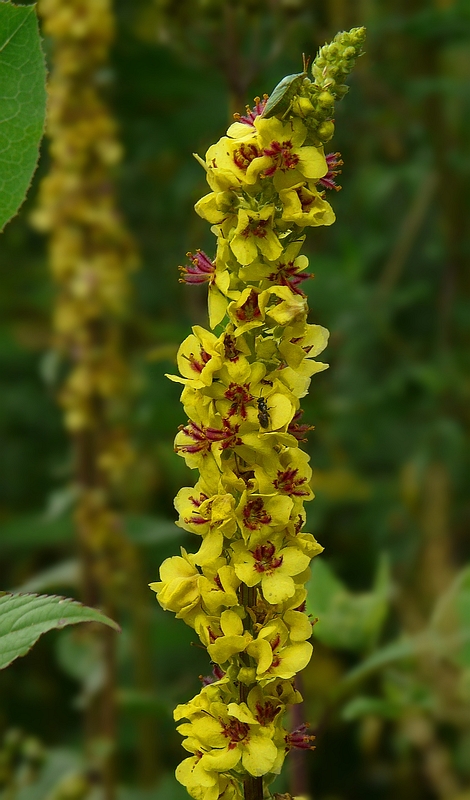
(92, 256)
(243, 592)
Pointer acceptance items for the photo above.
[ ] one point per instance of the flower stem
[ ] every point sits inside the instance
(253, 788)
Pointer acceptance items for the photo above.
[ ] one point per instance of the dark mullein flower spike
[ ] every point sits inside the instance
(243, 590)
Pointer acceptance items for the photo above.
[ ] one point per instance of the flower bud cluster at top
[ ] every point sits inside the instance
(243, 591)
(91, 252)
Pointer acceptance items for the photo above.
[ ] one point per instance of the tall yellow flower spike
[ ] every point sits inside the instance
(243, 591)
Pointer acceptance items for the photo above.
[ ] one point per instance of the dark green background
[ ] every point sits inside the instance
(391, 415)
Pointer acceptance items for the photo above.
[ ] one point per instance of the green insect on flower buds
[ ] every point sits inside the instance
(243, 590)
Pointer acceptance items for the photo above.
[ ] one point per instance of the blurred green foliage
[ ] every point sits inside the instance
(388, 689)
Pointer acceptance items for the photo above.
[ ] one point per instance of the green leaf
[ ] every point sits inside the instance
(25, 617)
(451, 615)
(447, 635)
(60, 763)
(147, 531)
(35, 530)
(362, 706)
(42, 530)
(399, 650)
(63, 574)
(346, 620)
(22, 104)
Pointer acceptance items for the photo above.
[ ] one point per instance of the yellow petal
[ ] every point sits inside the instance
(277, 587)
(259, 755)
(217, 304)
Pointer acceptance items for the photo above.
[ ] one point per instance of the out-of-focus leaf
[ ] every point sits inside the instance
(22, 104)
(395, 651)
(362, 706)
(59, 763)
(452, 615)
(142, 794)
(81, 658)
(168, 789)
(346, 620)
(61, 501)
(34, 530)
(147, 702)
(446, 636)
(66, 573)
(146, 530)
(25, 617)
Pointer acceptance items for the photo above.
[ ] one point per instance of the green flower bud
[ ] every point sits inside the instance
(326, 99)
(302, 107)
(326, 130)
(247, 675)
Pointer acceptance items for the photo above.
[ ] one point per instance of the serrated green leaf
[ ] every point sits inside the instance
(22, 104)
(25, 617)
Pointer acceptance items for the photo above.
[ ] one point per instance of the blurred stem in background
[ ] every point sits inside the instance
(92, 256)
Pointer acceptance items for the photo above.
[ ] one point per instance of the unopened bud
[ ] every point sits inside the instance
(247, 675)
(326, 99)
(302, 107)
(326, 130)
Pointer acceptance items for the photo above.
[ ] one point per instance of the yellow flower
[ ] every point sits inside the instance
(241, 394)
(287, 270)
(283, 155)
(283, 305)
(304, 205)
(211, 517)
(218, 586)
(204, 785)
(258, 517)
(234, 157)
(245, 312)
(198, 358)
(275, 656)
(311, 342)
(254, 232)
(291, 475)
(217, 207)
(270, 564)
(199, 782)
(298, 380)
(228, 735)
(225, 640)
(178, 587)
